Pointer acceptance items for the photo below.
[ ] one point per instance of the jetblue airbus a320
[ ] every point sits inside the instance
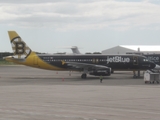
(88, 63)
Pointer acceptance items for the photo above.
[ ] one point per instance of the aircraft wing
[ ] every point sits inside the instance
(85, 65)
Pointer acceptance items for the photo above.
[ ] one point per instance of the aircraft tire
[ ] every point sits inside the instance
(84, 76)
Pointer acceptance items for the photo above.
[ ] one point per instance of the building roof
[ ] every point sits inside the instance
(142, 47)
(123, 49)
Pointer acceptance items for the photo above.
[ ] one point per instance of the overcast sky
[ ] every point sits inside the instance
(93, 25)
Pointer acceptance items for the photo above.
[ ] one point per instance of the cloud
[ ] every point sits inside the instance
(80, 15)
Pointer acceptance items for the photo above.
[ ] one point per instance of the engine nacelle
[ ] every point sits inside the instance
(103, 72)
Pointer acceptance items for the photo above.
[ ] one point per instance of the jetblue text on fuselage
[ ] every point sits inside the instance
(118, 59)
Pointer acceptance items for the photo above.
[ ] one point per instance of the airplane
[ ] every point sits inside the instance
(74, 49)
(93, 64)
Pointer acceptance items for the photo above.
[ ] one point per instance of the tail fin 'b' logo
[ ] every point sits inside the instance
(20, 49)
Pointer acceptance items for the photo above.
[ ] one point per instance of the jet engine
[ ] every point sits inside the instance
(103, 72)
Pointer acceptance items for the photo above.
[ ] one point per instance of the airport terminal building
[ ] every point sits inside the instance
(4, 54)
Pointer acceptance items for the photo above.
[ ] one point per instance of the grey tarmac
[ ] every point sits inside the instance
(34, 94)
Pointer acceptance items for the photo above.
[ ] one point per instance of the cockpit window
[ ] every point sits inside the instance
(145, 59)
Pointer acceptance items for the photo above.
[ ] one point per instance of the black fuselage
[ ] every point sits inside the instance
(115, 62)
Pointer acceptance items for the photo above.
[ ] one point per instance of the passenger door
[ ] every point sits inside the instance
(135, 60)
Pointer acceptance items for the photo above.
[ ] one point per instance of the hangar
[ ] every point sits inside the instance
(123, 49)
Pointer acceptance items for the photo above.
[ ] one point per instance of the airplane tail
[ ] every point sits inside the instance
(19, 47)
(75, 50)
(22, 54)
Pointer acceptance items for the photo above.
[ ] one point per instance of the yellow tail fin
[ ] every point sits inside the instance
(20, 48)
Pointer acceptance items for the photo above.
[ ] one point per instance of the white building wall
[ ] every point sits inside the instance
(117, 50)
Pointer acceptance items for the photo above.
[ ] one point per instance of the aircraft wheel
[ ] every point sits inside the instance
(112, 71)
(84, 76)
(134, 76)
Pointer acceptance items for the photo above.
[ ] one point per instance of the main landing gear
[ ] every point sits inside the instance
(84, 75)
(138, 74)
